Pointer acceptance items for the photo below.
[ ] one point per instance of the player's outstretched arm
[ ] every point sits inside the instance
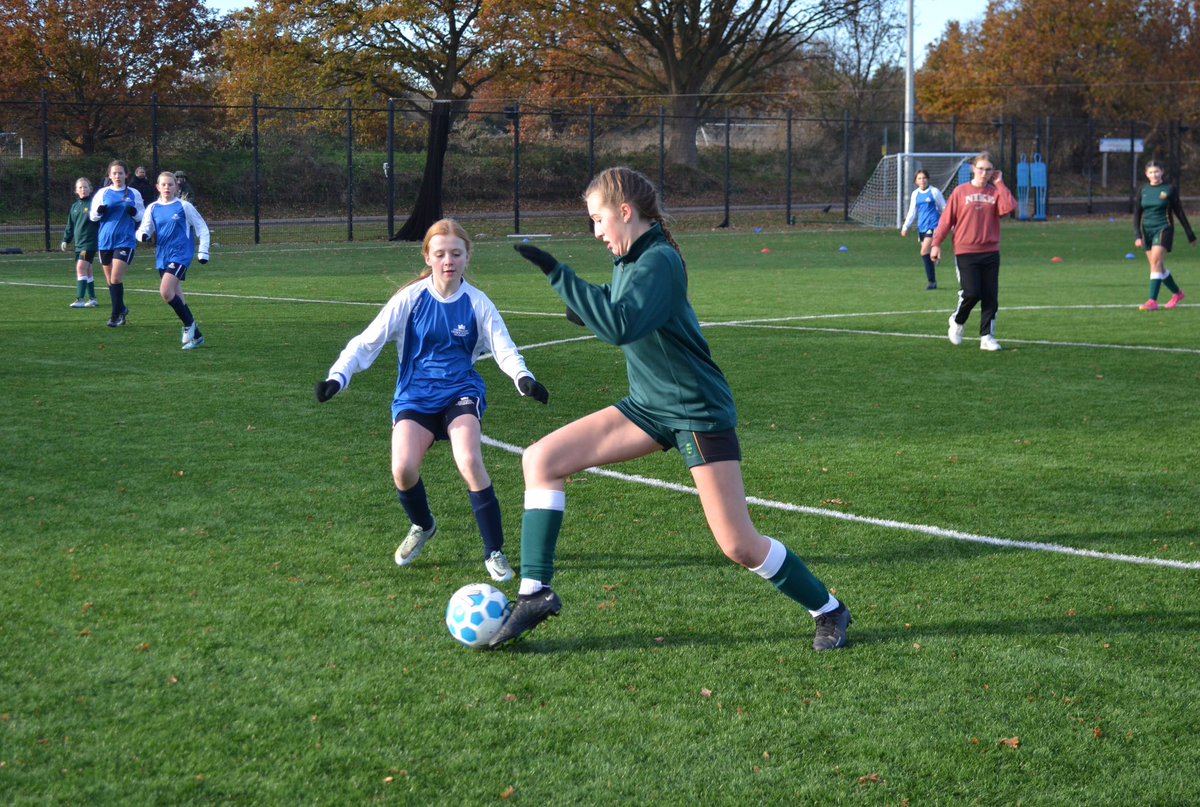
(539, 257)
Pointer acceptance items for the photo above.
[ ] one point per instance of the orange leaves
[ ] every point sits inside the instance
(1010, 742)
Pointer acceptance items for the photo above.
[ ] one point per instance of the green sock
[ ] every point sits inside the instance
(91, 288)
(1170, 283)
(1155, 286)
(80, 288)
(539, 537)
(796, 581)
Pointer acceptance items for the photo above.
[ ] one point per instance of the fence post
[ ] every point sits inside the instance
(516, 122)
(1091, 144)
(662, 153)
(257, 169)
(846, 165)
(789, 218)
(46, 167)
(728, 126)
(390, 168)
(1132, 164)
(349, 169)
(154, 136)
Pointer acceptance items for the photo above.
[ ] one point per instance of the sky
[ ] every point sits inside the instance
(931, 17)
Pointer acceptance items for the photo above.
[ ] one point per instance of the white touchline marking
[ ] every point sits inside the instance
(926, 529)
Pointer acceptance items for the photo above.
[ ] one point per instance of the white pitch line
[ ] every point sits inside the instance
(925, 529)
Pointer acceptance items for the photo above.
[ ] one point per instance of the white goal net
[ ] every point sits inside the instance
(884, 199)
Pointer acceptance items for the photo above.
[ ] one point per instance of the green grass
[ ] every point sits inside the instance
(198, 602)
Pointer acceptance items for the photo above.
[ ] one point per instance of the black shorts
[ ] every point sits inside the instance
(124, 254)
(86, 255)
(173, 268)
(436, 423)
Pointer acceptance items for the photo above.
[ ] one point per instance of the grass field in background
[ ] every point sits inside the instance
(198, 602)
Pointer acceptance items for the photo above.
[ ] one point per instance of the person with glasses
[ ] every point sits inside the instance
(973, 212)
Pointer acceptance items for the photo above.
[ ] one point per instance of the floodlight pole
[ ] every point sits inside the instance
(909, 90)
(902, 169)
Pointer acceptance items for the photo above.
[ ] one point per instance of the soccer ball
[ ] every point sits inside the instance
(476, 612)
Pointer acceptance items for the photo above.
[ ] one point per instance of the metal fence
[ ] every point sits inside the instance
(266, 173)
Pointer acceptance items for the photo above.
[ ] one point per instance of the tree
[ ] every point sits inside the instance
(419, 53)
(100, 62)
(696, 55)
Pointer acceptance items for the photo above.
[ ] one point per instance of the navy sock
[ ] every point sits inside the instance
(930, 271)
(182, 311)
(117, 292)
(416, 504)
(487, 516)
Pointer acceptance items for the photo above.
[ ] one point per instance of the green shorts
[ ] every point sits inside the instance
(1164, 238)
(696, 448)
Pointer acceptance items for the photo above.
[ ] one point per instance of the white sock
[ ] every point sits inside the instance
(529, 586)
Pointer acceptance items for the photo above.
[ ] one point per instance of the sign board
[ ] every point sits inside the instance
(1120, 145)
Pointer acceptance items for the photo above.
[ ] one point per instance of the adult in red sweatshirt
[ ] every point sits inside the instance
(973, 212)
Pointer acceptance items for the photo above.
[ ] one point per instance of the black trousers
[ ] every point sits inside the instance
(979, 283)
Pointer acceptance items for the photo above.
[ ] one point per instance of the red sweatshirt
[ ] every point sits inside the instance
(974, 214)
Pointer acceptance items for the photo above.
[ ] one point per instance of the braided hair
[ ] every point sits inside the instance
(622, 185)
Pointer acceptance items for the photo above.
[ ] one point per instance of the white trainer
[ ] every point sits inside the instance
(988, 342)
(194, 343)
(955, 333)
(410, 548)
(189, 333)
(498, 567)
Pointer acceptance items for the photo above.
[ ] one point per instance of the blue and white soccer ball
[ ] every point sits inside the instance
(476, 612)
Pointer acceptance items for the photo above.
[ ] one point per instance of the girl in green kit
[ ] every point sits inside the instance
(1154, 230)
(678, 398)
(83, 233)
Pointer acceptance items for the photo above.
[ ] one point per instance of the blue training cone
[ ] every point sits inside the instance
(843, 249)
(1129, 256)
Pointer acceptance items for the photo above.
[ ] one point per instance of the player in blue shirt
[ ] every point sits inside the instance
(176, 223)
(441, 325)
(118, 208)
(925, 205)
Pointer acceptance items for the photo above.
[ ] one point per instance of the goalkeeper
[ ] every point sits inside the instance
(441, 325)
(678, 398)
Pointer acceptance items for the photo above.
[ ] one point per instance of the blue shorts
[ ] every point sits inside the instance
(436, 422)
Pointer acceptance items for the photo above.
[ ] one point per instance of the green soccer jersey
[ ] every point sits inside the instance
(1155, 208)
(81, 231)
(646, 312)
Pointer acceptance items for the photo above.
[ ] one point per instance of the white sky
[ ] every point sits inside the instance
(930, 17)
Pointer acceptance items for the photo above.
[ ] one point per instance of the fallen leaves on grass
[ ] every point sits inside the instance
(1010, 742)
(870, 779)
(508, 793)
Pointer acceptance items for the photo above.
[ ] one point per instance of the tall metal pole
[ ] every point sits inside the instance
(909, 91)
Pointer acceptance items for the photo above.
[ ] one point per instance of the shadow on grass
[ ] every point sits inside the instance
(873, 634)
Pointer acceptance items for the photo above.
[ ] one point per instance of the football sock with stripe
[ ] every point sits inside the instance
(416, 505)
(91, 287)
(1156, 281)
(487, 515)
(80, 288)
(540, 526)
(789, 574)
(1170, 283)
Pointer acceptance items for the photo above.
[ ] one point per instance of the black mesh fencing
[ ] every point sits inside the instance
(261, 173)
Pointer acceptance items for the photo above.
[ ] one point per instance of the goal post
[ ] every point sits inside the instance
(883, 201)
